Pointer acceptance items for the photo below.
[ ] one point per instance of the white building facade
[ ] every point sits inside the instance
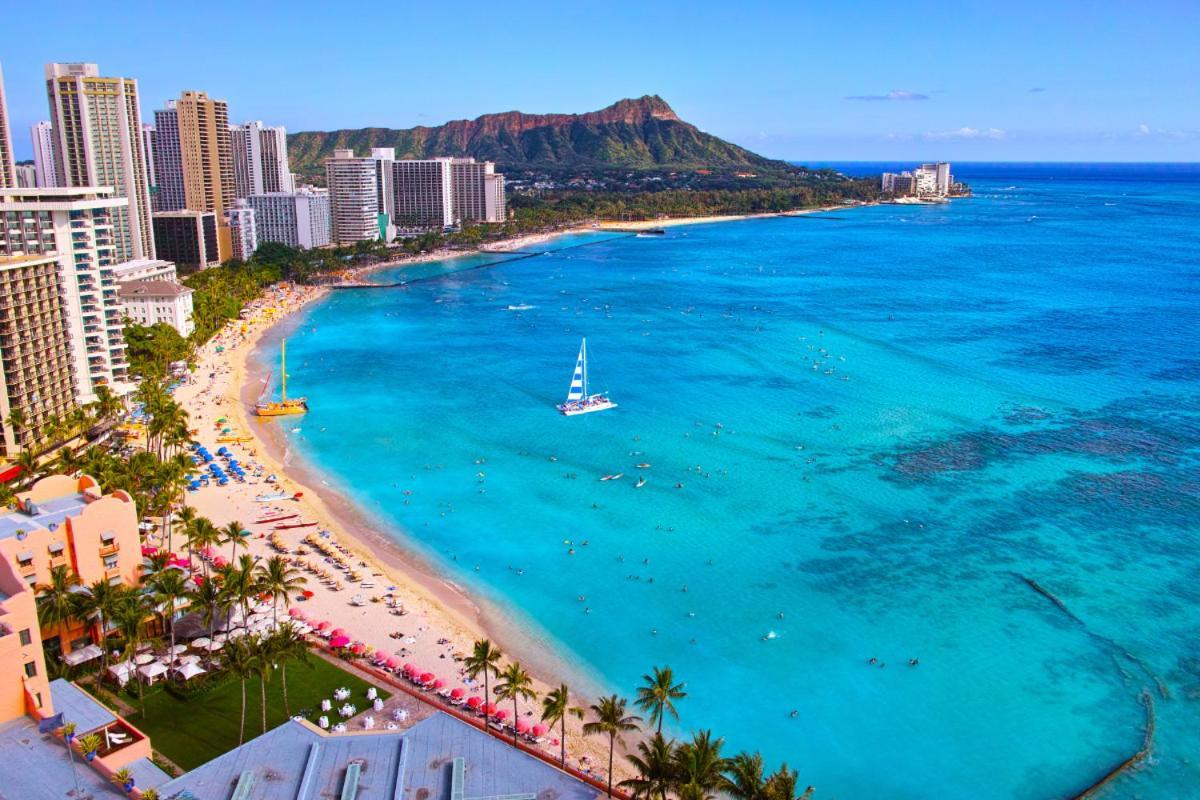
(42, 135)
(260, 163)
(297, 219)
(151, 302)
(353, 197)
(242, 230)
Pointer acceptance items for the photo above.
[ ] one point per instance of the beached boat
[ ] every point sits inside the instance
(267, 498)
(284, 407)
(287, 526)
(276, 518)
(578, 399)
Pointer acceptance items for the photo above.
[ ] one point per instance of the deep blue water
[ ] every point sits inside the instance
(1005, 392)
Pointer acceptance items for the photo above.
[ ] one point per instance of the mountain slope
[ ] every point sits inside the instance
(636, 134)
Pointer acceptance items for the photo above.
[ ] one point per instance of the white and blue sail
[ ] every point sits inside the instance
(578, 400)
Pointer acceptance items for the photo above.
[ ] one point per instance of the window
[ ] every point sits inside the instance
(25, 637)
(30, 669)
(37, 696)
(110, 562)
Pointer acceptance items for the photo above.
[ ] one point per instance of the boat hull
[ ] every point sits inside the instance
(592, 404)
(284, 409)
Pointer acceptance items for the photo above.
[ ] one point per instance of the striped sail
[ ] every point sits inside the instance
(579, 379)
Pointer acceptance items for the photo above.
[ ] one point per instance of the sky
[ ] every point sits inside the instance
(818, 81)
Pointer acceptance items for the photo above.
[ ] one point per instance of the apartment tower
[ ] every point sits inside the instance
(8, 172)
(42, 134)
(98, 142)
(260, 164)
(423, 194)
(168, 162)
(353, 197)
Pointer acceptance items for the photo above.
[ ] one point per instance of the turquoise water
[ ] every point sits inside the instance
(1019, 404)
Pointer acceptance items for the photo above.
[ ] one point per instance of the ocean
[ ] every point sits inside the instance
(964, 434)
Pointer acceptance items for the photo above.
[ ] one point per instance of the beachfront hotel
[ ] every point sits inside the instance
(76, 225)
(154, 302)
(297, 219)
(355, 212)
(167, 162)
(243, 233)
(477, 191)
(260, 163)
(98, 142)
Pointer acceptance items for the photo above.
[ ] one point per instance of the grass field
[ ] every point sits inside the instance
(194, 731)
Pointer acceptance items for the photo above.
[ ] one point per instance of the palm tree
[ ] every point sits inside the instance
(107, 405)
(744, 779)
(58, 601)
(280, 578)
(207, 595)
(68, 461)
(483, 659)
(556, 707)
(129, 617)
(166, 588)
(241, 662)
(515, 684)
(16, 420)
(202, 534)
(263, 664)
(28, 462)
(781, 785)
(610, 721)
(700, 766)
(657, 694)
(239, 583)
(287, 644)
(655, 765)
(233, 535)
(98, 602)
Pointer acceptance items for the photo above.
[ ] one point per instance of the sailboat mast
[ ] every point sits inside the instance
(283, 370)
(585, 386)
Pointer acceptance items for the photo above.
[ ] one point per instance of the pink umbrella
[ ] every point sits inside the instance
(427, 678)
(207, 552)
(339, 641)
(337, 632)
(522, 726)
(358, 648)
(457, 694)
(474, 702)
(439, 684)
(501, 715)
(218, 562)
(490, 709)
(147, 550)
(295, 613)
(323, 625)
(392, 663)
(410, 669)
(538, 730)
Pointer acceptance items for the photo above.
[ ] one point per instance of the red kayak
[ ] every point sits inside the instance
(278, 518)
(291, 525)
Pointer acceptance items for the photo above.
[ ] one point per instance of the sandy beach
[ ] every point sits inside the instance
(440, 622)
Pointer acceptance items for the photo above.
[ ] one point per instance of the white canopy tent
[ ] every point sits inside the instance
(122, 671)
(82, 655)
(190, 670)
(151, 671)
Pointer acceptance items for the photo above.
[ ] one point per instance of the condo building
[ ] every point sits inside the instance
(148, 149)
(168, 161)
(42, 135)
(26, 176)
(242, 230)
(298, 219)
(78, 226)
(151, 302)
(423, 194)
(353, 198)
(8, 177)
(98, 142)
(189, 238)
(260, 164)
(37, 377)
(931, 180)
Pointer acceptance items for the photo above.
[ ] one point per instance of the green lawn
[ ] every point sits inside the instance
(194, 731)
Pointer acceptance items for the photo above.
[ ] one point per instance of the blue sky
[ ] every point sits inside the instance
(1018, 80)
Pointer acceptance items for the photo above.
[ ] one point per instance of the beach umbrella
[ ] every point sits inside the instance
(456, 694)
(439, 684)
(501, 715)
(538, 730)
(522, 726)
(215, 645)
(295, 613)
(323, 625)
(410, 669)
(427, 678)
(201, 643)
(392, 663)
(143, 659)
(339, 641)
(336, 632)
(357, 648)
(490, 709)
(474, 702)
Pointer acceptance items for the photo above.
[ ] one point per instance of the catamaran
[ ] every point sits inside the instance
(578, 399)
(285, 407)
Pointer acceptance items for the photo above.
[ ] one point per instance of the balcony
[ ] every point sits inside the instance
(109, 549)
(115, 572)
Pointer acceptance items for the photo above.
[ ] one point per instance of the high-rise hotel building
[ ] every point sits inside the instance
(8, 172)
(297, 219)
(42, 134)
(353, 197)
(98, 142)
(194, 160)
(260, 164)
(78, 228)
(423, 194)
(478, 191)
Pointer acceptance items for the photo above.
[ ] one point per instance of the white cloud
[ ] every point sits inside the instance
(967, 133)
(1144, 129)
(894, 94)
